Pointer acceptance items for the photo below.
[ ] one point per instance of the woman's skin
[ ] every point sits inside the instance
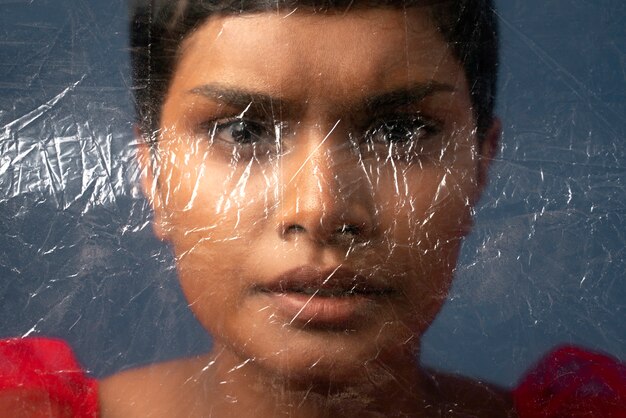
(315, 175)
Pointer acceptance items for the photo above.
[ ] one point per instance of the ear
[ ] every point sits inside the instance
(149, 182)
(488, 151)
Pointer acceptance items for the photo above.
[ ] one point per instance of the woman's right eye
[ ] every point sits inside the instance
(242, 132)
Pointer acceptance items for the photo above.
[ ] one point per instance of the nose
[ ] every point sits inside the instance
(325, 194)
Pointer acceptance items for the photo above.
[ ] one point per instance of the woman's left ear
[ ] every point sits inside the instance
(488, 150)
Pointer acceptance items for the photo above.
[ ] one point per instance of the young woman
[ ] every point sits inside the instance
(314, 166)
(314, 172)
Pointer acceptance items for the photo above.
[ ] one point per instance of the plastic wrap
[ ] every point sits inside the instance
(542, 264)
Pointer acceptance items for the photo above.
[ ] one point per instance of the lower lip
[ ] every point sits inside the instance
(301, 309)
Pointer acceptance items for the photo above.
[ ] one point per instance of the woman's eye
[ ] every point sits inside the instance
(401, 132)
(242, 132)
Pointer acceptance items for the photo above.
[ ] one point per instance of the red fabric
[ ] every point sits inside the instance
(48, 366)
(572, 382)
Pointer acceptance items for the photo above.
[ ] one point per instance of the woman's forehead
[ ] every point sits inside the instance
(380, 49)
(359, 29)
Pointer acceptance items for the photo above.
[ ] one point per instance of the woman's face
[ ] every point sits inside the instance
(316, 174)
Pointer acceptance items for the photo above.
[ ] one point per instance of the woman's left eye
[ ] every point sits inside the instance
(401, 132)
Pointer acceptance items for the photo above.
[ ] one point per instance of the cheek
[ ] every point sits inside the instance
(426, 212)
(426, 208)
(211, 213)
(211, 283)
(211, 201)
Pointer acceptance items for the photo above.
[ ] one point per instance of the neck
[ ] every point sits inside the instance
(243, 388)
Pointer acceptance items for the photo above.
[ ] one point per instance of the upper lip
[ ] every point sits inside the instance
(335, 281)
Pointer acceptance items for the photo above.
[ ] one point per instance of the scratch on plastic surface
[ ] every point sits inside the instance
(295, 9)
(32, 330)
(194, 193)
(313, 152)
(243, 180)
(303, 307)
(315, 363)
(242, 364)
(305, 397)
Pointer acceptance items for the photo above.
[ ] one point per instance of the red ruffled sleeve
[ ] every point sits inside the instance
(572, 382)
(46, 369)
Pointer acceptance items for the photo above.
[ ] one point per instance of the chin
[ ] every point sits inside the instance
(335, 358)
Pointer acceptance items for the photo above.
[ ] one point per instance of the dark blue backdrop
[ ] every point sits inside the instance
(545, 264)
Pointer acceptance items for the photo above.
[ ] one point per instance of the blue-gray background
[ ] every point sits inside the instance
(544, 266)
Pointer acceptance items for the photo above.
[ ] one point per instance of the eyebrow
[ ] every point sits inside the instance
(240, 98)
(406, 96)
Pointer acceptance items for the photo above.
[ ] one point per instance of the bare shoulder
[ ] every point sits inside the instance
(471, 397)
(151, 391)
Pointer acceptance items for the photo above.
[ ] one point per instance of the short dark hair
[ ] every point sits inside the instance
(158, 28)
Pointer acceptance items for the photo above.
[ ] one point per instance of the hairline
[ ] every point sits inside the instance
(482, 104)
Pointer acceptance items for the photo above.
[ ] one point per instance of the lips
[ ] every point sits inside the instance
(332, 298)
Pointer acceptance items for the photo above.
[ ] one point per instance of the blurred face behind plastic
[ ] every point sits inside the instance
(315, 176)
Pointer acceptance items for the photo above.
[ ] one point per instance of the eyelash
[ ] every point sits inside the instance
(262, 129)
(414, 128)
(262, 136)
